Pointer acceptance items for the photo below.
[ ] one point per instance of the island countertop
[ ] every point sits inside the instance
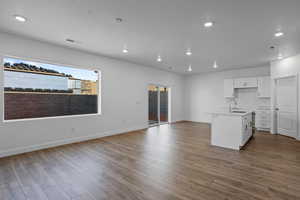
(222, 112)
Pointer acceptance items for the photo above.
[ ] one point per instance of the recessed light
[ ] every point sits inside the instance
(208, 24)
(159, 59)
(188, 52)
(125, 50)
(279, 34)
(190, 68)
(215, 65)
(119, 20)
(20, 18)
(70, 40)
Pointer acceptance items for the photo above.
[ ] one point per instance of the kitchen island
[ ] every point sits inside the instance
(231, 129)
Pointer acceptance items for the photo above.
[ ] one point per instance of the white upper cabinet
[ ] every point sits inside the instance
(262, 84)
(264, 87)
(228, 88)
(245, 82)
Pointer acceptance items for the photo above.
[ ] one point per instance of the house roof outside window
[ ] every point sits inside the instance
(23, 67)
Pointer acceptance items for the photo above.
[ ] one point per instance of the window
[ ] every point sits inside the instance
(36, 90)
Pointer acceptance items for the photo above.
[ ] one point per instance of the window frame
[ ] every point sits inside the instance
(99, 106)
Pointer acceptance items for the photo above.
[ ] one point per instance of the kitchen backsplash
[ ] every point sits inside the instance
(246, 98)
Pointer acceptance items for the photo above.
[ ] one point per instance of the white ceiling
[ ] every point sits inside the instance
(241, 37)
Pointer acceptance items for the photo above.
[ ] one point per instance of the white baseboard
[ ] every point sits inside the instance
(56, 143)
(201, 122)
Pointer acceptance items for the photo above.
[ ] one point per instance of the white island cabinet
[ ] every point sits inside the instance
(231, 130)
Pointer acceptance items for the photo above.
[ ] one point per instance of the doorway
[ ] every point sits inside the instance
(159, 103)
(286, 102)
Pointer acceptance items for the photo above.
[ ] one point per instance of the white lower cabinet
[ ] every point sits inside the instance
(246, 128)
(263, 120)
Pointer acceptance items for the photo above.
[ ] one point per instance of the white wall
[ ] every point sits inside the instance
(283, 68)
(205, 92)
(286, 67)
(124, 98)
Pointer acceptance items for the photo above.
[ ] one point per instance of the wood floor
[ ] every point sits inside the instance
(170, 162)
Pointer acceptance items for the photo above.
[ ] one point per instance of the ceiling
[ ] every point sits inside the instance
(243, 32)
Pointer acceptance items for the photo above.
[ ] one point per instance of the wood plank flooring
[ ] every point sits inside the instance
(168, 162)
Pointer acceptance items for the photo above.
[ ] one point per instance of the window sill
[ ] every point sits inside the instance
(47, 118)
